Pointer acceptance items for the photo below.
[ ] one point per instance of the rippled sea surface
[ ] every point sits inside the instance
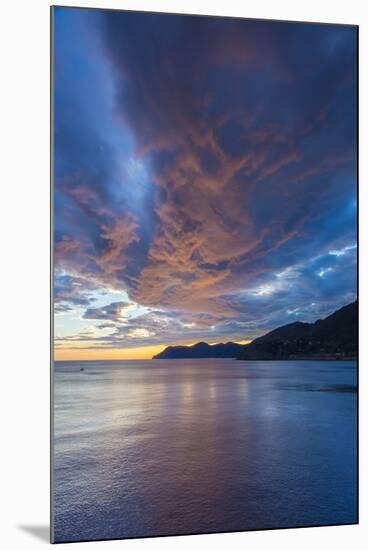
(161, 447)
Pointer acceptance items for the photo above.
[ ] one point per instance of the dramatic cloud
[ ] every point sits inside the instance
(205, 169)
(72, 290)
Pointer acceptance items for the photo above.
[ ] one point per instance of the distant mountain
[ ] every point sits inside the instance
(335, 336)
(201, 350)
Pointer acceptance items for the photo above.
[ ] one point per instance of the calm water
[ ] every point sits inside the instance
(169, 447)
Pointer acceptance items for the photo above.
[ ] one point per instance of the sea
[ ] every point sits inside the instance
(168, 447)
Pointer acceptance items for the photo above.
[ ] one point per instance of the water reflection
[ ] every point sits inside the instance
(157, 447)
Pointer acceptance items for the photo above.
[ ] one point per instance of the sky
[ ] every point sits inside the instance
(204, 179)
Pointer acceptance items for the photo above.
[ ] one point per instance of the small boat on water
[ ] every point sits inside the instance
(82, 368)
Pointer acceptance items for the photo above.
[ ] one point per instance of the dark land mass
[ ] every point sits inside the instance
(335, 337)
(201, 351)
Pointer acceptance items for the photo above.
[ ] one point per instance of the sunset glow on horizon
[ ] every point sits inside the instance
(82, 354)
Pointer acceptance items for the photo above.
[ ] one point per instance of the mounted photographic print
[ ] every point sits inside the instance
(204, 369)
